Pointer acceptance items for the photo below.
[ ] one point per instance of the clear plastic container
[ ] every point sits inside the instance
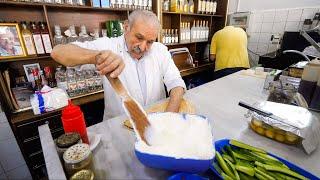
(274, 133)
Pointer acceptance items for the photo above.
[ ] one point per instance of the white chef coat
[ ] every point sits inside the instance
(144, 78)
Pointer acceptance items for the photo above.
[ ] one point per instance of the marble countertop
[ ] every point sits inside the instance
(218, 100)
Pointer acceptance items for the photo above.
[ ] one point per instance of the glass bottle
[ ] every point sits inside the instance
(28, 40)
(45, 37)
(72, 82)
(49, 76)
(89, 80)
(97, 81)
(166, 5)
(191, 6)
(70, 2)
(199, 7)
(59, 1)
(83, 35)
(176, 36)
(61, 78)
(96, 34)
(58, 38)
(36, 35)
(186, 6)
(149, 5)
(73, 36)
(81, 82)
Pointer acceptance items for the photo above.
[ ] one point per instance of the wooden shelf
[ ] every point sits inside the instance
(25, 58)
(193, 14)
(27, 113)
(193, 70)
(61, 6)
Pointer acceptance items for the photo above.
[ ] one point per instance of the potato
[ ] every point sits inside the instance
(270, 133)
(260, 130)
(280, 137)
(290, 137)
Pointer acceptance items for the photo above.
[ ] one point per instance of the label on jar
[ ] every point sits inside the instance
(90, 82)
(81, 84)
(98, 81)
(72, 86)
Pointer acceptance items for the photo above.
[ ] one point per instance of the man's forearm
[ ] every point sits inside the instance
(72, 55)
(176, 95)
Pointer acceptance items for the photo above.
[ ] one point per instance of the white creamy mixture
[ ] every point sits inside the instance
(172, 135)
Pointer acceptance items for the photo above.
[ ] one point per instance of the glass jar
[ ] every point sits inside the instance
(83, 174)
(76, 158)
(67, 140)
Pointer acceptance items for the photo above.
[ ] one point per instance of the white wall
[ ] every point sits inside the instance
(250, 5)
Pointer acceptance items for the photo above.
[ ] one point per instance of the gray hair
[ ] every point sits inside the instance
(147, 16)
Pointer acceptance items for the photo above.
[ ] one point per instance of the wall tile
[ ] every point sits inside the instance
(294, 15)
(264, 38)
(21, 172)
(11, 160)
(5, 131)
(9, 146)
(254, 37)
(278, 27)
(308, 13)
(3, 176)
(292, 26)
(257, 17)
(256, 27)
(268, 16)
(266, 27)
(281, 15)
(262, 48)
(253, 47)
(3, 118)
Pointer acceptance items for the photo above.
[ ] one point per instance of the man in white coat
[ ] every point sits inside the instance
(143, 65)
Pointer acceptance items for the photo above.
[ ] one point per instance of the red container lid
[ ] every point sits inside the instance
(71, 111)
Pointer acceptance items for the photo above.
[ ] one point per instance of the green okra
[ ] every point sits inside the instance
(235, 172)
(247, 170)
(266, 175)
(246, 146)
(223, 165)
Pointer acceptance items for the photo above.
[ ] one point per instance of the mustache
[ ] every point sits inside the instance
(137, 49)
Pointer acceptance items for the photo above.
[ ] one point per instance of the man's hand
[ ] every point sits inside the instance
(109, 62)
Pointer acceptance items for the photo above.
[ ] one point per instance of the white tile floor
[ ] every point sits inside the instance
(12, 163)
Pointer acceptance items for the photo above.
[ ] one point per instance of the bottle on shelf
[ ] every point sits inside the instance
(163, 34)
(96, 34)
(58, 38)
(207, 9)
(48, 74)
(98, 81)
(45, 37)
(28, 40)
(191, 6)
(182, 34)
(83, 35)
(70, 2)
(79, 2)
(37, 1)
(59, 1)
(72, 82)
(174, 5)
(149, 5)
(89, 80)
(48, 1)
(166, 5)
(73, 36)
(130, 4)
(199, 6)
(197, 29)
(171, 36)
(185, 6)
(140, 5)
(112, 3)
(81, 82)
(61, 78)
(145, 4)
(36, 35)
(176, 36)
(43, 79)
(193, 32)
(120, 3)
(37, 79)
(203, 6)
(214, 7)
(207, 30)
(202, 31)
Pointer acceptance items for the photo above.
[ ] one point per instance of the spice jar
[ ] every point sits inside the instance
(67, 140)
(76, 158)
(84, 174)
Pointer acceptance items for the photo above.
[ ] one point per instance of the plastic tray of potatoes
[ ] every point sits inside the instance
(274, 133)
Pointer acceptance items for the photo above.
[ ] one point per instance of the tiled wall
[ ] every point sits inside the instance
(265, 23)
(12, 164)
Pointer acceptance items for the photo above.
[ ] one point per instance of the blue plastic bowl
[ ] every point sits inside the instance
(174, 164)
(223, 142)
(186, 176)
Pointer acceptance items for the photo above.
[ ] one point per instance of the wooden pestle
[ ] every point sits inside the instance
(132, 107)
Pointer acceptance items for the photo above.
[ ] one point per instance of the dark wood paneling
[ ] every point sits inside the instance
(12, 13)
